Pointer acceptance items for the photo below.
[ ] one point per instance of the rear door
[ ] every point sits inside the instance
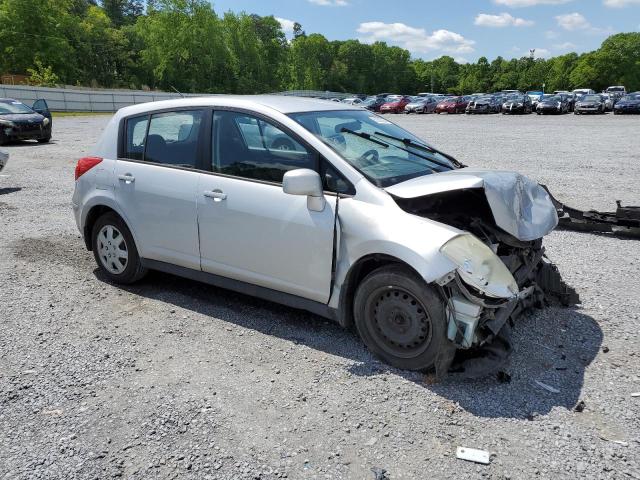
(157, 180)
(250, 230)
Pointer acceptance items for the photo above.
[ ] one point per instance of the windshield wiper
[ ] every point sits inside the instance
(366, 136)
(411, 143)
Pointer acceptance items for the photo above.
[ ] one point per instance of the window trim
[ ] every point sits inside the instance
(201, 148)
(205, 144)
(319, 158)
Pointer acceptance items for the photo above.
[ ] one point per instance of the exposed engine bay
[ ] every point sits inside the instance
(478, 324)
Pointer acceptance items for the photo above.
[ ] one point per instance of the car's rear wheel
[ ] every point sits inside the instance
(115, 251)
(400, 318)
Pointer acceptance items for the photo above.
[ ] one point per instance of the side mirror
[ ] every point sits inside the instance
(304, 181)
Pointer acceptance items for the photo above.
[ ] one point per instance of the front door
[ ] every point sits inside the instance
(157, 182)
(250, 230)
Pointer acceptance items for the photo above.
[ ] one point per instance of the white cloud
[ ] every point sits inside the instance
(620, 3)
(502, 20)
(529, 3)
(573, 21)
(330, 3)
(287, 25)
(565, 47)
(415, 40)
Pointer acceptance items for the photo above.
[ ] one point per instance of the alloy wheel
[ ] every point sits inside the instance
(112, 249)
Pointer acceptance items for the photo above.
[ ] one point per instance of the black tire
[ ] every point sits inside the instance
(44, 140)
(133, 270)
(3, 139)
(412, 339)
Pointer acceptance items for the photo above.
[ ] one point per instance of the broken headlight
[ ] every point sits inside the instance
(478, 266)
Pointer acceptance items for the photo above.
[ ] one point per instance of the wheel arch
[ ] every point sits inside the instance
(94, 213)
(357, 272)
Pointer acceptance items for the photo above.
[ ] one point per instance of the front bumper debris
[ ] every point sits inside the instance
(625, 221)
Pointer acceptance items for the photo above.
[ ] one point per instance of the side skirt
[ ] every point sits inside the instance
(264, 293)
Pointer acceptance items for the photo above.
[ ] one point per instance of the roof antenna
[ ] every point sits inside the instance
(177, 91)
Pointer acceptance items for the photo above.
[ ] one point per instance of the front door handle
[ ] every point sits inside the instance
(217, 195)
(127, 178)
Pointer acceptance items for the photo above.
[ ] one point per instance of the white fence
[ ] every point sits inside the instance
(80, 100)
(87, 100)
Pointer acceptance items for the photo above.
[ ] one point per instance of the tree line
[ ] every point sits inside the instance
(186, 45)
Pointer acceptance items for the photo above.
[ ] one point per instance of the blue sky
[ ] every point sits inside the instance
(464, 29)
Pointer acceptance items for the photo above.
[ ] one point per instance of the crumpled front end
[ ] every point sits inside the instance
(501, 269)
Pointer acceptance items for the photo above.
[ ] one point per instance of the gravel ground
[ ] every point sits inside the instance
(174, 379)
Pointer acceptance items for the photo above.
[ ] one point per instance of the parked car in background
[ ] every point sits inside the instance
(570, 97)
(618, 90)
(373, 103)
(517, 103)
(394, 104)
(20, 122)
(510, 92)
(556, 104)
(422, 105)
(4, 159)
(627, 104)
(583, 91)
(424, 262)
(592, 103)
(535, 97)
(609, 101)
(452, 105)
(352, 101)
(484, 104)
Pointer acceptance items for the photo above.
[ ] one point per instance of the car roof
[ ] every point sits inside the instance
(280, 103)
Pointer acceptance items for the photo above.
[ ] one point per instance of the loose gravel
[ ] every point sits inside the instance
(174, 379)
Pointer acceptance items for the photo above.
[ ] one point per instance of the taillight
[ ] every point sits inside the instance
(85, 164)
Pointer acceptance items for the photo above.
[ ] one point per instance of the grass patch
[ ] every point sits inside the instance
(78, 114)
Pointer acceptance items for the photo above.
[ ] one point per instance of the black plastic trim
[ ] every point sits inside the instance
(246, 288)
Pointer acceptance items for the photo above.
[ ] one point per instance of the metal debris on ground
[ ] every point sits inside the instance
(635, 394)
(579, 406)
(625, 221)
(379, 474)
(473, 455)
(548, 388)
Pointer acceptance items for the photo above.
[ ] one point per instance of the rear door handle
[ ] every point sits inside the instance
(217, 195)
(127, 178)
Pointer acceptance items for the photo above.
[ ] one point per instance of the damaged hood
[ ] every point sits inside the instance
(520, 206)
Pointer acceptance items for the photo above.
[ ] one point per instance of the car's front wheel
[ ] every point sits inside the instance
(115, 251)
(400, 318)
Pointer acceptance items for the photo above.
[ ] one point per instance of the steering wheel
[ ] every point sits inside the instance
(369, 157)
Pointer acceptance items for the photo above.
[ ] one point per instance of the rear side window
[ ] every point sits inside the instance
(249, 147)
(136, 131)
(170, 138)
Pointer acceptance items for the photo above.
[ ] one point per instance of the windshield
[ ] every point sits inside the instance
(8, 108)
(382, 160)
(552, 98)
(591, 98)
(393, 98)
(631, 97)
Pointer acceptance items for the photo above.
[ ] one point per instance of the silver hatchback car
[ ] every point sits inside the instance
(320, 206)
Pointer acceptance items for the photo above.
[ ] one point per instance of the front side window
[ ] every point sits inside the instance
(382, 151)
(250, 147)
